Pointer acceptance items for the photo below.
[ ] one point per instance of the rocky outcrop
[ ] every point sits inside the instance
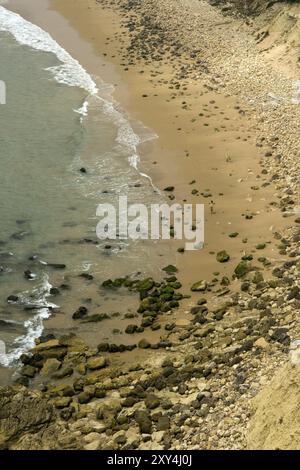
(22, 411)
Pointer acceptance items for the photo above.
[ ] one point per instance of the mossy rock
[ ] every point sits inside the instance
(247, 257)
(258, 277)
(261, 246)
(199, 286)
(242, 269)
(171, 279)
(145, 285)
(96, 318)
(175, 285)
(223, 256)
(170, 269)
(225, 281)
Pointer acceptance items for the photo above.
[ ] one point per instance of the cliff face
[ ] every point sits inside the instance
(276, 421)
(277, 25)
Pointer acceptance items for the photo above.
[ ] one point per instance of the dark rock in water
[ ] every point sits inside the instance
(65, 287)
(87, 276)
(80, 313)
(33, 257)
(12, 298)
(103, 347)
(19, 235)
(46, 338)
(29, 275)
(56, 265)
(169, 189)
(54, 291)
(82, 170)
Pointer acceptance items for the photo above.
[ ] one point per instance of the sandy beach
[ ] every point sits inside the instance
(219, 138)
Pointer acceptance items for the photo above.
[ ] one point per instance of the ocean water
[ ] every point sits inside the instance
(57, 119)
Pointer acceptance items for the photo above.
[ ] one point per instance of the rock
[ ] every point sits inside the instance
(50, 366)
(260, 246)
(199, 286)
(241, 269)
(169, 189)
(29, 275)
(50, 349)
(28, 371)
(142, 417)
(281, 336)
(223, 256)
(145, 285)
(12, 298)
(81, 312)
(87, 276)
(62, 402)
(144, 344)
(131, 329)
(84, 397)
(96, 362)
(22, 411)
(170, 269)
(73, 343)
(163, 423)
(261, 343)
(54, 291)
(63, 372)
(152, 401)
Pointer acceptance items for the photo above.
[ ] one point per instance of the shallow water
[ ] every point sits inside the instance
(56, 120)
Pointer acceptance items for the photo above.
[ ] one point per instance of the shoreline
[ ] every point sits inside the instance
(223, 340)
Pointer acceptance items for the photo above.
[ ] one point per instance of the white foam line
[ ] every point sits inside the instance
(70, 72)
(34, 325)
